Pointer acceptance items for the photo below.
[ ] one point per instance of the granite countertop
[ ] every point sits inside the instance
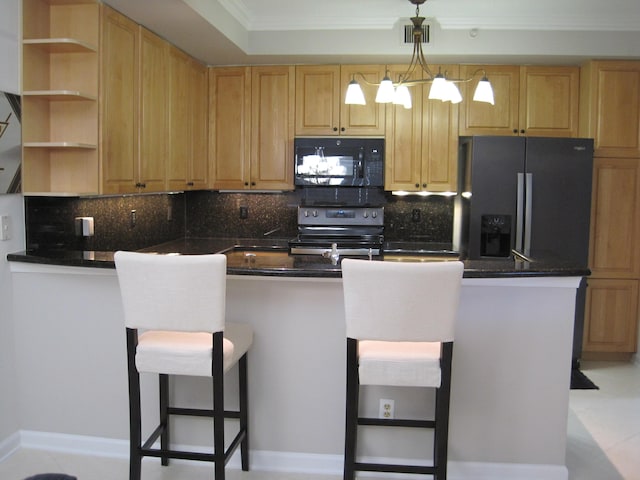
(270, 257)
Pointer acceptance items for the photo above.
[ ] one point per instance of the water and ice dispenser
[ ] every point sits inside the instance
(495, 239)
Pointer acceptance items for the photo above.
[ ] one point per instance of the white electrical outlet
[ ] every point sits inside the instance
(387, 409)
(5, 227)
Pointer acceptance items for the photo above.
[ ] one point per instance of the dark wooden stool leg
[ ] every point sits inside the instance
(244, 412)
(135, 429)
(351, 414)
(164, 415)
(441, 431)
(218, 406)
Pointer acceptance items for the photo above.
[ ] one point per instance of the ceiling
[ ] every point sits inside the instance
(236, 32)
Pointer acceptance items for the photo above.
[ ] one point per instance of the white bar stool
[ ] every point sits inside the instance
(179, 302)
(400, 321)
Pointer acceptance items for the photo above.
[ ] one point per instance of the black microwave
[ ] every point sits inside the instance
(339, 162)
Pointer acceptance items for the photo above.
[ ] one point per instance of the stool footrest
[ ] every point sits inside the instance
(391, 468)
(396, 422)
(197, 412)
(183, 455)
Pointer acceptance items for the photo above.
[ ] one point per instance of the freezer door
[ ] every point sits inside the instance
(561, 171)
(495, 163)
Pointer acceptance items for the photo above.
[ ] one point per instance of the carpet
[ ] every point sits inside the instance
(579, 381)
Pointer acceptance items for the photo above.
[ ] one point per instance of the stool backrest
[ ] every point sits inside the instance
(172, 292)
(401, 301)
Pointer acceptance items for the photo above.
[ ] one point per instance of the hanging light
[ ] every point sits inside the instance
(385, 91)
(484, 92)
(402, 96)
(442, 87)
(354, 96)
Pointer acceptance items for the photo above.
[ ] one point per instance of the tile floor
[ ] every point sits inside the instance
(603, 441)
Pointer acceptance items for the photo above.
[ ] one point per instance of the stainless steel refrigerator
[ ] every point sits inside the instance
(528, 194)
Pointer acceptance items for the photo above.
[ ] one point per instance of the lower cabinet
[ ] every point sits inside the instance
(611, 316)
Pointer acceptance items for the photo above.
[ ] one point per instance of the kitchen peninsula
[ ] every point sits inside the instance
(511, 367)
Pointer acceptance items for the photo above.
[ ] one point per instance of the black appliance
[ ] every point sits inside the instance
(528, 195)
(355, 230)
(339, 162)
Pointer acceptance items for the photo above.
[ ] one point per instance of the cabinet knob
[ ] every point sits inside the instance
(190, 184)
(424, 185)
(515, 130)
(335, 129)
(253, 184)
(246, 184)
(342, 129)
(417, 185)
(522, 131)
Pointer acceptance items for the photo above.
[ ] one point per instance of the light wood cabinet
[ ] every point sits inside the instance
(610, 107)
(60, 57)
(611, 316)
(119, 117)
(187, 160)
(529, 100)
(229, 127)
(421, 142)
(615, 223)
(153, 112)
(320, 108)
(251, 127)
(272, 127)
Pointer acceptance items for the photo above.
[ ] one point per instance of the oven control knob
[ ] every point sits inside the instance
(306, 213)
(365, 214)
(315, 213)
(374, 214)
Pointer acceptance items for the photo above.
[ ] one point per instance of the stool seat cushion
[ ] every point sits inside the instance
(409, 364)
(190, 353)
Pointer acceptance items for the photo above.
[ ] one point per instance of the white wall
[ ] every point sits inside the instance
(12, 205)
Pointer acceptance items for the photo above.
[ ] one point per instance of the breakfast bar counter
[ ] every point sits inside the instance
(510, 380)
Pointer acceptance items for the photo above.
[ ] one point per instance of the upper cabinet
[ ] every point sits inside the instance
(320, 108)
(119, 85)
(610, 107)
(532, 101)
(251, 127)
(187, 160)
(60, 57)
(422, 142)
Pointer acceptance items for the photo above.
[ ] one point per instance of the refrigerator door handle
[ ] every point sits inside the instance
(528, 213)
(520, 213)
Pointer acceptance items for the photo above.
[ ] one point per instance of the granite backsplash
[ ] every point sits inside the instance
(50, 221)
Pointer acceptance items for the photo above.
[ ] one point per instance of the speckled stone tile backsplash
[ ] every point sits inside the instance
(423, 219)
(213, 214)
(50, 221)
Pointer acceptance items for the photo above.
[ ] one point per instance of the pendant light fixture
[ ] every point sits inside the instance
(442, 87)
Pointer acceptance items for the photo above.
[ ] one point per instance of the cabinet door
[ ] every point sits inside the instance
(318, 100)
(180, 124)
(403, 141)
(610, 107)
(119, 91)
(272, 132)
(478, 118)
(362, 119)
(611, 316)
(199, 167)
(229, 127)
(439, 140)
(615, 225)
(549, 101)
(154, 131)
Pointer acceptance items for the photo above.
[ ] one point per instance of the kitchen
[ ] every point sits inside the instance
(257, 204)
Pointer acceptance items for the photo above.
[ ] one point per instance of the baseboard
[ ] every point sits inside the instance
(9, 445)
(286, 462)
